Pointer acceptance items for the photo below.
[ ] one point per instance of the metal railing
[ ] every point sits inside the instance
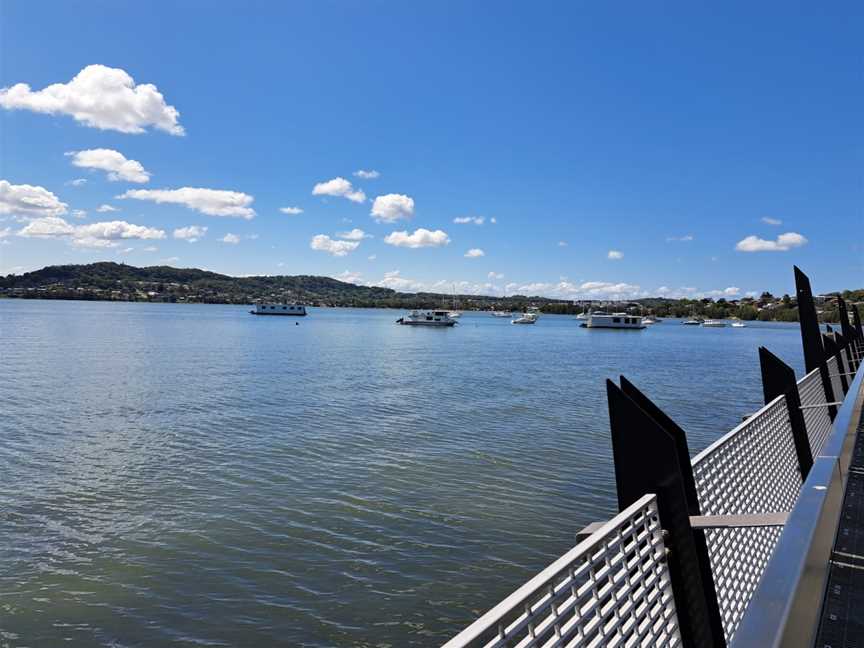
(719, 518)
(612, 588)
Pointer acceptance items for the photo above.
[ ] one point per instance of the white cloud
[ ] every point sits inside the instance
(354, 235)
(392, 207)
(684, 239)
(100, 97)
(493, 220)
(464, 220)
(79, 213)
(324, 243)
(782, 243)
(213, 202)
(233, 239)
(29, 201)
(395, 281)
(47, 226)
(192, 233)
(372, 257)
(495, 275)
(104, 208)
(126, 250)
(93, 235)
(341, 188)
(349, 277)
(169, 260)
(115, 164)
(474, 253)
(615, 255)
(420, 238)
(367, 175)
(772, 221)
(77, 182)
(7, 231)
(291, 210)
(562, 243)
(150, 248)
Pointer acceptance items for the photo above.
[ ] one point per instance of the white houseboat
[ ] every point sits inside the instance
(279, 309)
(599, 319)
(427, 318)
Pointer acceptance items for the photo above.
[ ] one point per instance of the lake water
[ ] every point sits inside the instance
(191, 475)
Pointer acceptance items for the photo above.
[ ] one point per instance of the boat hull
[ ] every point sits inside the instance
(279, 314)
(404, 322)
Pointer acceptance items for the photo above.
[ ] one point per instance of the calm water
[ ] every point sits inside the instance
(179, 475)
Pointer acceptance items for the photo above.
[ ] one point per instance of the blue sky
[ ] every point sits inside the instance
(621, 149)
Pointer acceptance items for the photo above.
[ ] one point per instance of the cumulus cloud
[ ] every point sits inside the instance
(464, 220)
(615, 255)
(772, 221)
(6, 231)
(474, 253)
(782, 243)
(213, 202)
(77, 182)
(93, 235)
(340, 188)
(372, 257)
(191, 233)
(100, 97)
(232, 239)
(114, 163)
(324, 243)
(395, 281)
(367, 175)
(392, 207)
(79, 213)
(29, 201)
(353, 235)
(495, 275)
(349, 277)
(293, 211)
(104, 208)
(420, 238)
(685, 238)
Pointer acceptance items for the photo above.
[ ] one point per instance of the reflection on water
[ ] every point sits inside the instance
(191, 475)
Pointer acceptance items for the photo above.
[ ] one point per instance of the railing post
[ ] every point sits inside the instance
(646, 461)
(778, 379)
(857, 317)
(845, 326)
(811, 337)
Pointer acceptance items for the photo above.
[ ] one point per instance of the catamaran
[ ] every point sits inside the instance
(427, 318)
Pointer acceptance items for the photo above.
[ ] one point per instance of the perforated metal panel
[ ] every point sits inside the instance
(753, 469)
(834, 373)
(611, 589)
(816, 419)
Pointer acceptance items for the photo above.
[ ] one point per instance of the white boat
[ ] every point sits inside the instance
(739, 325)
(454, 314)
(693, 321)
(648, 321)
(427, 318)
(525, 318)
(583, 316)
(279, 309)
(600, 319)
(712, 323)
(501, 314)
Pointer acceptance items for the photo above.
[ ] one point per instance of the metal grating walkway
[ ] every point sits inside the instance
(842, 624)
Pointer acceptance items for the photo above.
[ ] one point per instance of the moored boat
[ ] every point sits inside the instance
(525, 318)
(614, 320)
(501, 314)
(297, 310)
(712, 323)
(427, 318)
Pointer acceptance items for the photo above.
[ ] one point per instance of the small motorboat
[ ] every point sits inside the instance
(739, 325)
(501, 314)
(693, 321)
(648, 321)
(525, 318)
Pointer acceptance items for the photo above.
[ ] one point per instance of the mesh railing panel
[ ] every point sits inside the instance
(611, 589)
(817, 420)
(834, 373)
(753, 469)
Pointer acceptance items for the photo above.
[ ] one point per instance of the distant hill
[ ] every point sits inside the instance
(121, 282)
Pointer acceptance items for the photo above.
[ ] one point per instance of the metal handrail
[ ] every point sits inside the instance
(785, 608)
